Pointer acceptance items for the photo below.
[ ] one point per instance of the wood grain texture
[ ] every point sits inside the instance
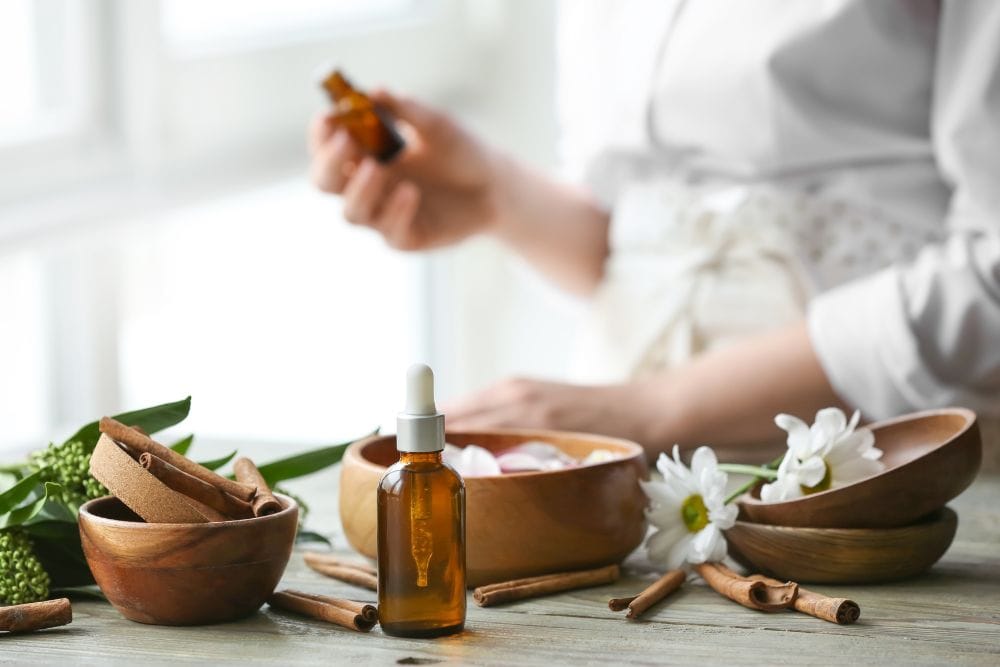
(185, 574)
(930, 458)
(946, 616)
(843, 555)
(573, 519)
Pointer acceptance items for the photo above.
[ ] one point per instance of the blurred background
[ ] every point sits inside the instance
(159, 236)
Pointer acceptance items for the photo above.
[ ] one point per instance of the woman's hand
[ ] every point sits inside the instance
(447, 185)
(439, 190)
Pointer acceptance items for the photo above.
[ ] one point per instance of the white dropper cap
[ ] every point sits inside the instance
(420, 427)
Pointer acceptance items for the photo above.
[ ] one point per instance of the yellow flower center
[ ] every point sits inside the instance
(694, 513)
(822, 485)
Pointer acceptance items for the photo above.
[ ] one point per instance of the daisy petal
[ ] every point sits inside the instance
(679, 552)
(707, 546)
(660, 543)
(798, 433)
(812, 471)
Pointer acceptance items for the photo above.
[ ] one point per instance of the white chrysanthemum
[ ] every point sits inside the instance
(689, 510)
(830, 453)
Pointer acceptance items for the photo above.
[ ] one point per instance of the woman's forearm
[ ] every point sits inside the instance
(728, 398)
(559, 229)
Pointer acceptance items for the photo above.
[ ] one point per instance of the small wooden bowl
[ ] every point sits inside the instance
(930, 458)
(843, 555)
(520, 524)
(185, 573)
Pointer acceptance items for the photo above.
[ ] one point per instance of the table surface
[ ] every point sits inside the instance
(949, 615)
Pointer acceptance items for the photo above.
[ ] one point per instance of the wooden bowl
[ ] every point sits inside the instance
(930, 458)
(843, 555)
(520, 524)
(185, 573)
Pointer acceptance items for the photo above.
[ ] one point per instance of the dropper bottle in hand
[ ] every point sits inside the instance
(421, 524)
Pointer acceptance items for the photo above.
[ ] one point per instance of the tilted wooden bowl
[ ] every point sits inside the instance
(930, 458)
(843, 555)
(185, 573)
(526, 523)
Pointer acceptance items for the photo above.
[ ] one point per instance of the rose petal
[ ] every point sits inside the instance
(519, 462)
(475, 461)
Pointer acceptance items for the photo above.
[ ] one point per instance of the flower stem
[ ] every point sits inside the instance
(773, 465)
(755, 471)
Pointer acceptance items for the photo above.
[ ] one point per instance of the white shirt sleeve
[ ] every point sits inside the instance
(927, 333)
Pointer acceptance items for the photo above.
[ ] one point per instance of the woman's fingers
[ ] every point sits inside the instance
(334, 162)
(321, 128)
(396, 220)
(365, 192)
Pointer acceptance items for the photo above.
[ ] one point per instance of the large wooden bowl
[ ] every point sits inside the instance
(520, 524)
(930, 458)
(185, 573)
(843, 555)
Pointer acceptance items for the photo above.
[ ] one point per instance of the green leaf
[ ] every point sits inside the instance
(303, 464)
(13, 496)
(215, 464)
(310, 536)
(149, 420)
(29, 511)
(57, 531)
(183, 445)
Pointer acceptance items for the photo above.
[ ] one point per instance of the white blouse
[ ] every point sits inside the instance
(852, 146)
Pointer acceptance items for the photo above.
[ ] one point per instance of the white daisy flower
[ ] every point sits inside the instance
(832, 452)
(688, 509)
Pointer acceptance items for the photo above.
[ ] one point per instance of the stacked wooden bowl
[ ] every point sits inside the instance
(885, 527)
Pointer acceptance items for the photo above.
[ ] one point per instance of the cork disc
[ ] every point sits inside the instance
(138, 489)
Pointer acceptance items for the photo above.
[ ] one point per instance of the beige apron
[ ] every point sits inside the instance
(691, 268)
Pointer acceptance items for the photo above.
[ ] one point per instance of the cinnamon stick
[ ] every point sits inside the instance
(347, 614)
(637, 605)
(192, 487)
(143, 443)
(749, 593)
(835, 610)
(349, 575)
(36, 615)
(263, 502)
(315, 557)
(530, 587)
(368, 612)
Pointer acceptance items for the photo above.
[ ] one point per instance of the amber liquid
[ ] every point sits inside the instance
(421, 548)
(367, 124)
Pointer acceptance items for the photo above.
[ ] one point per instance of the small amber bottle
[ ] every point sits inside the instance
(421, 525)
(367, 124)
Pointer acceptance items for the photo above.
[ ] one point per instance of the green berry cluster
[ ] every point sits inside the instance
(22, 578)
(69, 465)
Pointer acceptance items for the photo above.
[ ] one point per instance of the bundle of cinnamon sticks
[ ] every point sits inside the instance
(163, 486)
(754, 591)
(358, 616)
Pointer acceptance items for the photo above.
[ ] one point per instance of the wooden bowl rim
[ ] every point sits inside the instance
(970, 420)
(943, 515)
(85, 512)
(354, 450)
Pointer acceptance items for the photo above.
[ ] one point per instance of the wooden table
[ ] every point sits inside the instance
(949, 616)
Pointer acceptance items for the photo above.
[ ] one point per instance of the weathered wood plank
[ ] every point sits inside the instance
(951, 615)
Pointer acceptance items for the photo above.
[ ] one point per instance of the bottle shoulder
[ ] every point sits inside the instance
(400, 472)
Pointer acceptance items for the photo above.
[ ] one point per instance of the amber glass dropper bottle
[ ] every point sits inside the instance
(370, 126)
(421, 524)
